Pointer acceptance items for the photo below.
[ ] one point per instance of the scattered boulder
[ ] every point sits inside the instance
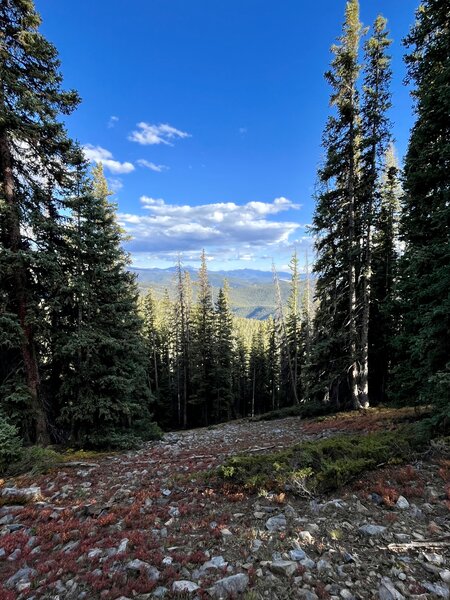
(283, 567)
(229, 586)
(183, 585)
(372, 530)
(276, 523)
(387, 591)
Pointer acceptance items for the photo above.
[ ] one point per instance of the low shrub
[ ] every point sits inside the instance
(35, 460)
(10, 444)
(306, 411)
(321, 465)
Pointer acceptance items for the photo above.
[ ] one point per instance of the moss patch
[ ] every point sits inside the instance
(322, 465)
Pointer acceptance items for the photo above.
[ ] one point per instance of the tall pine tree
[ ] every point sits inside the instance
(423, 373)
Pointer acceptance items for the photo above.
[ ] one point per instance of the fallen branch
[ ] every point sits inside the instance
(78, 463)
(440, 543)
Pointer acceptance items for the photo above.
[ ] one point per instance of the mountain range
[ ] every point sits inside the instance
(252, 292)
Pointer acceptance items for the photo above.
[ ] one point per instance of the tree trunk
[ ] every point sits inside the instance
(353, 370)
(13, 242)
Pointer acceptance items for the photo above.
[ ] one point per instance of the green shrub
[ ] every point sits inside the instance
(35, 460)
(10, 444)
(322, 465)
(306, 411)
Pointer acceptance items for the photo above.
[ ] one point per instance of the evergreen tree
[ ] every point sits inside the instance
(335, 224)
(258, 374)
(203, 347)
(375, 137)
(104, 391)
(223, 352)
(273, 363)
(33, 148)
(182, 320)
(383, 321)
(425, 265)
(293, 333)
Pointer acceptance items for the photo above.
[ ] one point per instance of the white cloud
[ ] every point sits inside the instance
(220, 227)
(149, 135)
(152, 166)
(112, 121)
(98, 154)
(115, 184)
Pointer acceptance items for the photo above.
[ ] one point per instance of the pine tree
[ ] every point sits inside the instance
(375, 137)
(425, 265)
(104, 392)
(33, 148)
(335, 224)
(203, 347)
(273, 363)
(382, 325)
(292, 344)
(223, 353)
(182, 320)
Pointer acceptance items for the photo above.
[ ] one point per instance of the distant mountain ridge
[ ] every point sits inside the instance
(252, 292)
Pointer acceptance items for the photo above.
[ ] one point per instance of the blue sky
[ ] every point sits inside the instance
(208, 116)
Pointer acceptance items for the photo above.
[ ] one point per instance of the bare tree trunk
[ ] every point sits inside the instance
(13, 240)
(353, 370)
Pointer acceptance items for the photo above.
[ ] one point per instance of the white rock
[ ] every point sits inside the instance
(183, 585)
(229, 586)
(402, 503)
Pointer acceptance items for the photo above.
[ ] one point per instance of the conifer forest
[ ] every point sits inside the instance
(86, 361)
(156, 441)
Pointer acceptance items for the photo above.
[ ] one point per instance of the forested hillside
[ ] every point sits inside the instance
(86, 362)
(251, 293)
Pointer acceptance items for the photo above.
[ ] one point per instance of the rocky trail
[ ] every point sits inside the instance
(148, 524)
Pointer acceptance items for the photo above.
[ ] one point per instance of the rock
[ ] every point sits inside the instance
(312, 528)
(229, 586)
(402, 503)
(94, 553)
(140, 565)
(217, 562)
(435, 559)
(283, 567)
(308, 563)
(323, 565)
(174, 511)
(346, 594)
(387, 591)
(226, 533)
(372, 530)
(259, 515)
(6, 520)
(303, 594)
(376, 498)
(122, 546)
(305, 536)
(30, 494)
(21, 576)
(166, 492)
(15, 555)
(297, 554)
(256, 545)
(445, 576)
(184, 586)
(360, 508)
(438, 590)
(2, 553)
(160, 592)
(276, 523)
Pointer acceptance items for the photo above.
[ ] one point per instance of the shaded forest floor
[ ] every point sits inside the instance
(153, 523)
